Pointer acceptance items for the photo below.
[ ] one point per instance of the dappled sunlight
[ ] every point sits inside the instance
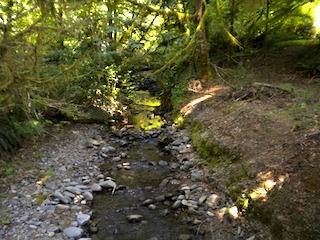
(232, 212)
(316, 23)
(187, 109)
(209, 93)
(268, 182)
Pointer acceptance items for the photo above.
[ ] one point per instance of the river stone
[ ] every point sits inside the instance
(83, 219)
(54, 229)
(163, 163)
(176, 204)
(161, 198)
(74, 190)
(212, 200)
(164, 182)
(73, 232)
(202, 199)
(61, 197)
(88, 196)
(196, 176)
(86, 181)
(134, 218)
(251, 238)
(152, 206)
(69, 194)
(96, 187)
(174, 166)
(185, 188)
(176, 142)
(147, 202)
(73, 183)
(184, 237)
(48, 208)
(116, 159)
(111, 149)
(108, 184)
(53, 185)
(183, 149)
(63, 207)
(93, 229)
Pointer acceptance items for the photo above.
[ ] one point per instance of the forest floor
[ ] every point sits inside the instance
(274, 124)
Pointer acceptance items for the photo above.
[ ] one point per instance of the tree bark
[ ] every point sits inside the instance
(205, 69)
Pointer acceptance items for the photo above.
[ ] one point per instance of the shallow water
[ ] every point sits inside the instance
(142, 182)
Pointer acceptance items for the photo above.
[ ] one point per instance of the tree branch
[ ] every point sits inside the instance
(186, 49)
(167, 12)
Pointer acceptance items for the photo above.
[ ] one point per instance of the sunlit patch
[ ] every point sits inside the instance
(233, 212)
(209, 93)
(268, 182)
(316, 22)
(187, 109)
(221, 212)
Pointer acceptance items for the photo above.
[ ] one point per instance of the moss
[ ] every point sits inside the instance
(41, 197)
(142, 121)
(265, 214)
(210, 148)
(143, 98)
(5, 219)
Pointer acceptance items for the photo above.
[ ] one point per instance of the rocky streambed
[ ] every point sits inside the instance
(123, 184)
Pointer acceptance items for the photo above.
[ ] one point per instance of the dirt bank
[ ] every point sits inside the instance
(272, 126)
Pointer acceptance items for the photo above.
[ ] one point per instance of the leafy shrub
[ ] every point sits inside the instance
(12, 133)
(9, 139)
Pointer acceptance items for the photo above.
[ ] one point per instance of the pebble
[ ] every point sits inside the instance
(212, 200)
(96, 187)
(135, 218)
(152, 206)
(83, 219)
(107, 184)
(88, 196)
(184, 237)
(177, 204)
(197, 176)
(73, 232)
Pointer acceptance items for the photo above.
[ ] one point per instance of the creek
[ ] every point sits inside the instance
(148, 168)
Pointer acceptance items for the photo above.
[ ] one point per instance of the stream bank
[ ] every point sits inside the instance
(56, 200)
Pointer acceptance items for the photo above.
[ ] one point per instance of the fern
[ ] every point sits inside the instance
(9, 139)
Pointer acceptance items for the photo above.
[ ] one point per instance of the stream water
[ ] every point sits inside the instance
(148, 169)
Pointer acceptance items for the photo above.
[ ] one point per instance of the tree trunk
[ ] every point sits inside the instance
(267, 26)
(205, 70)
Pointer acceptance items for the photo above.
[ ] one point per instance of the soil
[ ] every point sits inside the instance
(273, 123)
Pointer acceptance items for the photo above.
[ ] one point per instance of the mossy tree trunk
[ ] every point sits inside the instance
(205, 69)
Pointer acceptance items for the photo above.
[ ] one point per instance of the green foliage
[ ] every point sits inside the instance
(179, 94)
(265, 213)
(28, 129)
(209, 148)
(302, 94)
(310, 62)
(12, 133)
(9, 139)
(10, 171)
(61, 54)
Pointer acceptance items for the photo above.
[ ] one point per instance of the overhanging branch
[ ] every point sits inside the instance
(167, 12)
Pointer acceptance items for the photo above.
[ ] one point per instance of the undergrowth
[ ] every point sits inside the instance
(13, 132)
(210, 149)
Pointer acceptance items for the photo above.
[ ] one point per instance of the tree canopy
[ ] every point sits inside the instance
(57, 53)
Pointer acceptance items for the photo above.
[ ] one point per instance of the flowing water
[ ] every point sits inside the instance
(142, 182)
